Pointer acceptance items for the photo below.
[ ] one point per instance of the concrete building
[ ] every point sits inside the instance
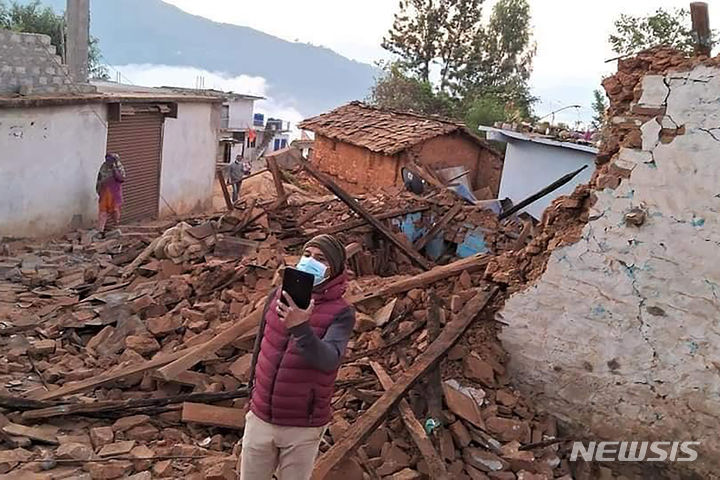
(52, 145)
(236, 125)
(533, 162)
(365, 148)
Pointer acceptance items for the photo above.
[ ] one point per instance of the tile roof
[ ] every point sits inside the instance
(382, 131)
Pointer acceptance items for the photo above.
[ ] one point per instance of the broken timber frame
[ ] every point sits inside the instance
(277, 178)
(470, 264)
(417, 432)
(369, 421)
(355, 206)
(223, 187)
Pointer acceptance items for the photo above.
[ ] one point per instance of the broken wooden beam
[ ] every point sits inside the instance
(351, 224)
(369, 421)
(214, 416)
(439, 225)
(277, 178)
(98, 380)
(355, 206)
(417, 432)
(33, 433)
(469, 264)
(133, 404)
(223, 187)
(172, 370)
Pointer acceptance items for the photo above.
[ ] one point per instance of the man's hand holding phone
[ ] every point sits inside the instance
(290, 314)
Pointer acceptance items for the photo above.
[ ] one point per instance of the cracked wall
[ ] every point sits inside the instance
(620, 337)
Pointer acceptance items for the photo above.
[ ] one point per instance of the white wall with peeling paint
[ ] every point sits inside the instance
(49, 158)
(621, 335)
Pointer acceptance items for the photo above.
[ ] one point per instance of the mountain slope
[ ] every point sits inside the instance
(151, 31)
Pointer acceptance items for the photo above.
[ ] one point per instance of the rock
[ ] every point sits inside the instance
(143, 433)
(508, 429)
(108, 470)
(221, 471)
(348, 469)
(42, 347)
(458, 352)
(9, 458)
(144, 345)
(484, 461)
(406, 474)
(394, 460)
(447, 448)
(117, 448)
(364, 323)
(349, 372)
(505, 397)
(375, 442)
(101, 436)
(525, 475)
(126, 423)
(475, 474)
(74, 451)
(141, 476)
(163, 469)
(475, 368)
(462, 405)
(501, 476)
(161, 326)
(144, 457)
(240, 368)
(460, 434)
(338, 427)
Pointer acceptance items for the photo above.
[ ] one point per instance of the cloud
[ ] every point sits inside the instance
(190, 77)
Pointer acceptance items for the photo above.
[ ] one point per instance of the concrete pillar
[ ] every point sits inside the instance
(77, 19)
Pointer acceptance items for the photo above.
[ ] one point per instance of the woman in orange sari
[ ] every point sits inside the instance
(109, 189)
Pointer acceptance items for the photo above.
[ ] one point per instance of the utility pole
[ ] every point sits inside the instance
(701, 28)
(77, 21)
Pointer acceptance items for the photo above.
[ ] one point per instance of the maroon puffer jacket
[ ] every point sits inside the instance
(286, 389)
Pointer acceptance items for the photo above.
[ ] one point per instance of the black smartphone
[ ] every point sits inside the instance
(299, 285)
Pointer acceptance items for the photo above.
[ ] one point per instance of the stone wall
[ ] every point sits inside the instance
(30, 65)
(619, 336)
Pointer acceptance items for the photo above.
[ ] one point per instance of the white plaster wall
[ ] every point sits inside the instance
(241, 114)
(190, 144)
(622, 332)
(530, 167)
(49, 158)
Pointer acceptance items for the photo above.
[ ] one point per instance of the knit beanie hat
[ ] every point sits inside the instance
(333, 250)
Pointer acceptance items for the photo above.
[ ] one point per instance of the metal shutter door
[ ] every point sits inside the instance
(138, 140)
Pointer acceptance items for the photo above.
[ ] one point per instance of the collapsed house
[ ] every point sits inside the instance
(128, 358)
(365, 147)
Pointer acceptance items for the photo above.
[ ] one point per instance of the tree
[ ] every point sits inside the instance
(672, 28)
(482, 68)
(501, 60)
(33, 18)
(599, 106)
(396, 90)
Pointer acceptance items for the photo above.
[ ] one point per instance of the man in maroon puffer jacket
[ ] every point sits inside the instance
(295, 363)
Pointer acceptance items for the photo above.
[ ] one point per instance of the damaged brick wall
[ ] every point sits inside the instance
(458, 150)
(355, 169)
(619, 336)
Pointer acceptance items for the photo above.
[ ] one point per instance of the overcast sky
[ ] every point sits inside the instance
(571, 35)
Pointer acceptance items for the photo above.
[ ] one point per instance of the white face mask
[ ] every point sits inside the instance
(313, 267)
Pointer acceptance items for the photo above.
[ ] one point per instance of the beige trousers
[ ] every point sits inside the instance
(288, 452)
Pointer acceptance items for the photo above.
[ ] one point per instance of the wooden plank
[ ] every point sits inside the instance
(351, 224)
(226, 194)
(474, 263)
(434, 378)
(214, 416)
(130, 405)
(98, 380)
(417, 432)
(172, 370)
(439, 225)
(346, 198)
(368, 422)
(32, 433)
(277, 178)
